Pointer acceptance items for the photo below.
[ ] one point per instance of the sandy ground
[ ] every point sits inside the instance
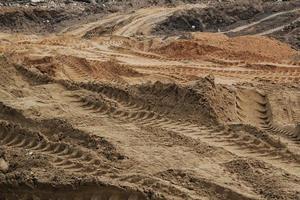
(106, 110)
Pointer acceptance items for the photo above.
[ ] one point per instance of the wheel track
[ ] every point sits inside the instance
(245, 144)
(241, 28)
(82, 70)
(114, 43)
(64, 156)
(75, 68)
(279, 28)
(223, 62)
(258, 105)
(248, 144)
(122, 97)
(25, 39)
(280, 75)
(134, 114)
(296, 111)
(173, 182)
(66, 42)
(145, 116)
(226, 62)
(132, 110)
(175, 71)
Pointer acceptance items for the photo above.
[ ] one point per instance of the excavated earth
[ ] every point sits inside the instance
(276, 19)
(130, 100)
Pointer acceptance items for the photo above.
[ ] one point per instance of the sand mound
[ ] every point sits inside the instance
(73, 68)
(214, 102)
(186, 49)
(248, 48)
(112, 68)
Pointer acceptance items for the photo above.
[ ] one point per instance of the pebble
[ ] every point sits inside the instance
(4, 166)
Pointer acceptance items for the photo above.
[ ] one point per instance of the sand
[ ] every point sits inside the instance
(125, 114)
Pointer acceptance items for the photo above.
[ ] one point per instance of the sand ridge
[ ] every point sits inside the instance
(109, 109)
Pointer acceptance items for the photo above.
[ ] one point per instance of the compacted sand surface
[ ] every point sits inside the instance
(118, 104)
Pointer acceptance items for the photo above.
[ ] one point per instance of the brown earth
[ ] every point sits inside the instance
(124, 114)
(246, 48)
(277, 19)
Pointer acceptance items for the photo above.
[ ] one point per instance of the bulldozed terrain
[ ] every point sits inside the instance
(134, 100)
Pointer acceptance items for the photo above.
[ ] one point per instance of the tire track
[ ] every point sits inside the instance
(63, 156)
(243, 143)
(132, 113)
(254, 108)
(113, 43)
(270, 31)
(241, 28)
(277, 75)
(174, 187)
(74, 68)
(144, 19)
(239, 144)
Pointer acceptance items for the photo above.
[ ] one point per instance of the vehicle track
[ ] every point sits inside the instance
(254, 108)
(273, 30)
(237, 143)
(129, 24)
(91, 103)
(241, 28)
(278, 75)
(75, 68)
(179, 189)
(146, 18)
(63, 156)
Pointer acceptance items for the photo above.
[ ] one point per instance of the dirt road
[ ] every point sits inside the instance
(240, 28)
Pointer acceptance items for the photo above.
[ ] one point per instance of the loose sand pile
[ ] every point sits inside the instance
(247, 48)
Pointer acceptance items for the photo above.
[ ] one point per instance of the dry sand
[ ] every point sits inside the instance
(120, 116)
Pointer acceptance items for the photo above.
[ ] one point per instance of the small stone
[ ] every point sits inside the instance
(4, 166)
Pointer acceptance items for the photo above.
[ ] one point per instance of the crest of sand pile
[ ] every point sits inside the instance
(262, 46)
(78, 68)
(248, 48)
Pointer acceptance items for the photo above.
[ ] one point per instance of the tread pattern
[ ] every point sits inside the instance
(277, 74)
(246, 143)
(64, 156)
(250, 102)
